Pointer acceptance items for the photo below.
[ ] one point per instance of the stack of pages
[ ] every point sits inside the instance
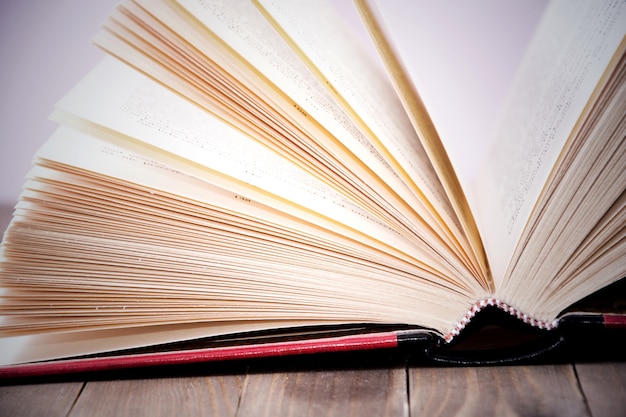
(336, 176)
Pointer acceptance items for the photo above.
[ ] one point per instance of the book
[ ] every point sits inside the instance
(273, 178)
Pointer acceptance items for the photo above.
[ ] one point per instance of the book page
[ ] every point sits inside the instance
(504, 86)
(360, 84)
(292, 88)
(222, 57)
(180, 244)
(120, 241)
(364, 90)
(241, 26)
(573, 242)
(265, 92)
(42, 347)
(193, 141)
(430, 50)
(569, 54)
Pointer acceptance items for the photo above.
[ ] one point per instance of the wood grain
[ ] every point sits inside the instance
(33, 400)
(188, 396)
(496, 391)
(604, 386)
(597, 389)
(371, 392)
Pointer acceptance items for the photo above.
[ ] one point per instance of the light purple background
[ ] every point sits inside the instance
(45, 47)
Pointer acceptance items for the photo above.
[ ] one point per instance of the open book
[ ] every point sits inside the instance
(243, 167)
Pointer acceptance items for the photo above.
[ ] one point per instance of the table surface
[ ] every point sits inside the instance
(371, 384)
(581, 389)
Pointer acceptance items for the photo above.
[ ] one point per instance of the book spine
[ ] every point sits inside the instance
(494, 302)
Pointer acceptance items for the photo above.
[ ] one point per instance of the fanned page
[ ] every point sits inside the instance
(559, 156)
(352, 76)
(550, 96)
(459, 61)
(170, 220)
(227, 173)
(230, 60)
(451, 65)
(151, 120)
(528, 105)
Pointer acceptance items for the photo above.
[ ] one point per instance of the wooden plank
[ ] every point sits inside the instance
(183, 396)
(49, 400)
(496, 391)
(604, 387)
(358, 392)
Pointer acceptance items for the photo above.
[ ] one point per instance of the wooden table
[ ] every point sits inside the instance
(270, 389)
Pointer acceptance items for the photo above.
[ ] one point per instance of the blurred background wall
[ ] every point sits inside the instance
(45, 47)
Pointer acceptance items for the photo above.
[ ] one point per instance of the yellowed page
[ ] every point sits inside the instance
(226, 84)
(127, 241)
(21, 349)
(241, 26)
(574, 240)
(549, 95)
(362, 87)
(504, 84)
(263, 61)
(138, 108)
